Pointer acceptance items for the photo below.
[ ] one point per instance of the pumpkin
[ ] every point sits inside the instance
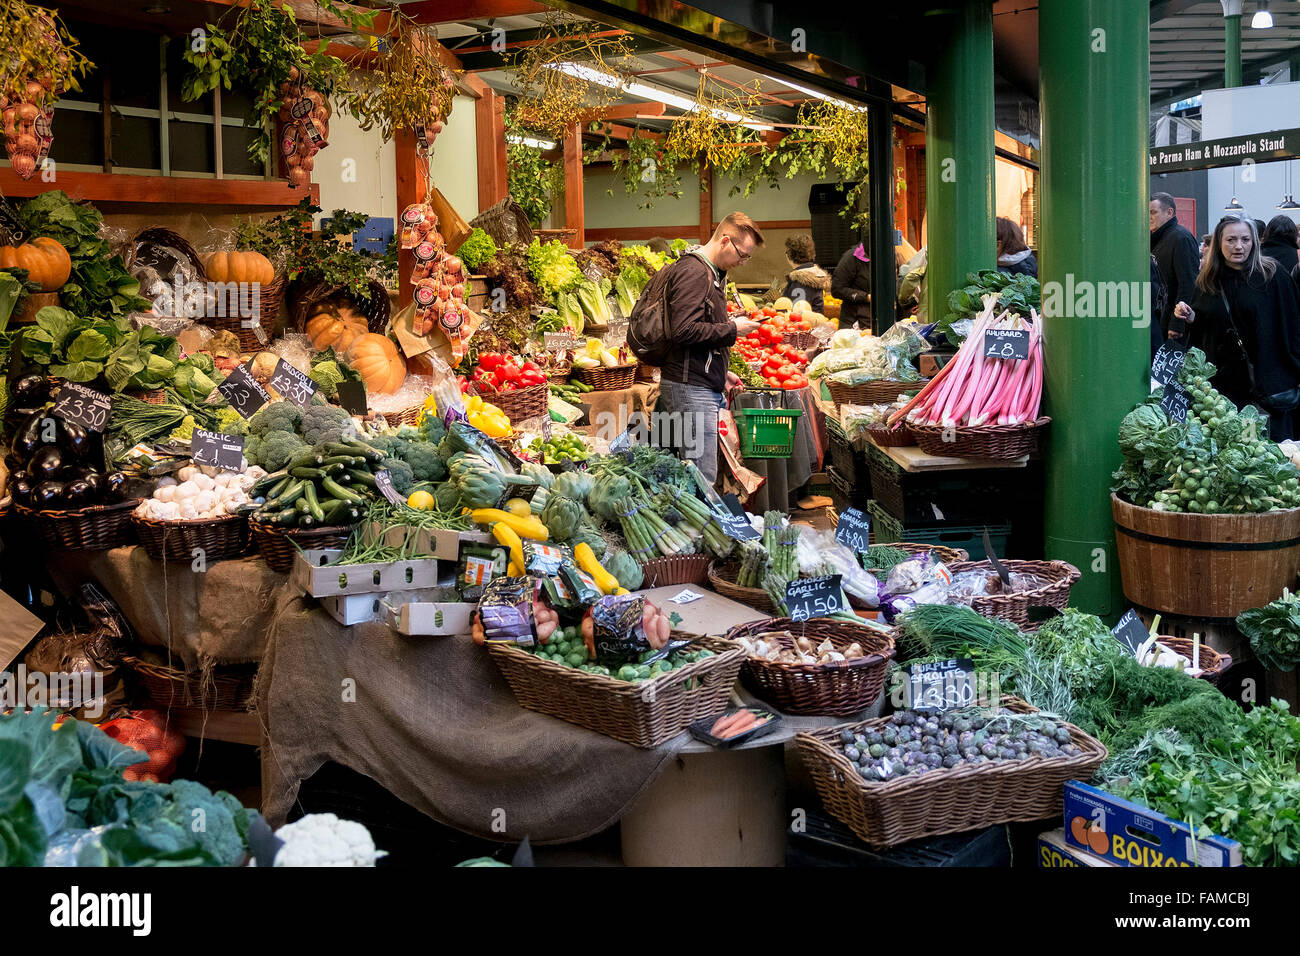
(335, 327)
(377, 361)
(46, 261)
(239, 267)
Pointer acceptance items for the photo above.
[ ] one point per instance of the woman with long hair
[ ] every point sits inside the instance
(1014, 256)
(1246, 318)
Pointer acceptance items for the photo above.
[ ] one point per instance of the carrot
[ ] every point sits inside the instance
(739, 727)
(727, 722)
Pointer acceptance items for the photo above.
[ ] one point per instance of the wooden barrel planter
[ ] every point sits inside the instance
(1205, 566)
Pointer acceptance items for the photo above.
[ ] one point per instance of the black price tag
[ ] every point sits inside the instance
(994, 563)
(1006, 343)
(807, 598)
(292, 384)
(854, 530)
(941, 685)
(1176, 401)
(622, 443)
(736, 527)
(244, 393)
(563, 341)
(352, 396)
(384, 482)
(217, 450)
(1166, 364)
(1131, 632)
(83, 406)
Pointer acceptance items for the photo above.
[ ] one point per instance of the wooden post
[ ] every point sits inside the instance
(573, 201)
(706, 201)
(490, 122)
(410, 189)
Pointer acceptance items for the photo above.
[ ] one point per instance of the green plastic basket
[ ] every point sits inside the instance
(766, 432)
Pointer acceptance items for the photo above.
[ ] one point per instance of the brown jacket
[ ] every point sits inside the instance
(702, 333)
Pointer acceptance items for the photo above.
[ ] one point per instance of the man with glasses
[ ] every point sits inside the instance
(694, 374)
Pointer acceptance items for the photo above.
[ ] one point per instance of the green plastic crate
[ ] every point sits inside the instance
(766, 432)
(888, 529)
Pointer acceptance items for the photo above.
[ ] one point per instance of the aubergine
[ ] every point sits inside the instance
(73, 439)
(15, 463)
(20, 486)
(79, 494)
(46, 463)
(28, 438)
(48, 495)
(115, 486)
(30, 391)
(95, 479)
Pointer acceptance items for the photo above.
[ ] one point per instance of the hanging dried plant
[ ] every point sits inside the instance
(568, 69)
(40, 51)
(714, 130)
(409, 87)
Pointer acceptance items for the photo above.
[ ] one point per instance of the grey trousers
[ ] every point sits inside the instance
(686, 420)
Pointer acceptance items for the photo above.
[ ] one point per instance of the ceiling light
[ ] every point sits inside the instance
(821, 96)
(647, 92)
(1289, 203)
(1234, 206)
(530, 141)
(1262, 20)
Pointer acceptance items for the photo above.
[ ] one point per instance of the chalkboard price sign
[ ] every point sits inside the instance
(219, 451)
(1131, 632)
(352, 396)
(806, 598)
(941, 685)
(854, 530)
(83, 406)
(562, 341)
(1166, 364)
(384, 482)
(1007, 343)
(736, 526)
(1176, 401)
(244, 393)
(292, 383)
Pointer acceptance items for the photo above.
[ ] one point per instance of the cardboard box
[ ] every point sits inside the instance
(1137, 836)
(1054, 852)
(429, 618)
(313, 572)
(349, 609)
(442, 544)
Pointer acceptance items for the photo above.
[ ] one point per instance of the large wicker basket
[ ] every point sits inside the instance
(887, 437)
(722, 578)
(267, 304)
(377, 308)
(643, 715)
(521, 404)
(966, 797)
(227, 688)
(96, 528)
(279, 545)
(607, 379)
(1014, 607)
(880, 392)
(160, 236)
(990, 442)
(1213, 663)
(407, 416)
(216, 538)
(675, 569)
(837, 689)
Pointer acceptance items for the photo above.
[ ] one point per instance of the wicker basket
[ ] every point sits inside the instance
(217, 538)
(506, 222)
(228, 688)
(1213, 663)
(872, 393)
(521, 404)
(154, 396)
(558, 375)
(946, 555)
(1015, 607)
(407, 416)
(990, 442)
(643, 715)
(722, 578)
(267, 302)
(96, 528)
(887, 437)
(607, 379)
(844, 687)
(279, 545)
(675, 569)
(377, 308)
(158, 236)
(966, 797)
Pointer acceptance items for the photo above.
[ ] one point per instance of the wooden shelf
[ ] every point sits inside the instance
(115, 187)
(913, 460)
(231, 726)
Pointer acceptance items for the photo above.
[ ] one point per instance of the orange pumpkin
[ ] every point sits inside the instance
(239, 267)
(378, 362)
(335, 327)
(45, 260)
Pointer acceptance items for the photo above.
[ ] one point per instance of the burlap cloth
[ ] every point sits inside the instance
(432, 720)
(614, 408)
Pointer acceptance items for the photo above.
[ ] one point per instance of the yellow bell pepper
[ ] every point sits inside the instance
(529, 527)
(494, 424)
(474, 403)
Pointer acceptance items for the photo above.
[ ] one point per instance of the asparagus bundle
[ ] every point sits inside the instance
(785, 562)
(697, 520)
(647, 533)
(772, 522)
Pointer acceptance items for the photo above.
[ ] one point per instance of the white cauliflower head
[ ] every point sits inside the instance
(322, 839)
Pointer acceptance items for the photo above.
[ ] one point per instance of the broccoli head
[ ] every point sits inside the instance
(433, 428)
(424, 460)
(275, 417)
(326, 423)
(224, 821)
(273, 450)
(401, 474)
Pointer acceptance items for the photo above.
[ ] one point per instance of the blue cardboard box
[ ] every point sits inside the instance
(1137, 836)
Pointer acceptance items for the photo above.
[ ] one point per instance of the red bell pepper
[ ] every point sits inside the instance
(492, 360)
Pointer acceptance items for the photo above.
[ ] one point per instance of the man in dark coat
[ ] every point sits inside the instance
(851, 283)
(1179, 256)
(1279, 242)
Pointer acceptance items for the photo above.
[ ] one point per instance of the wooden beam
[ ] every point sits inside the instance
(490, 137)
(779, 224)
(618, 131)
(706, 201)
(621, 111)
(121, 187)
(642, 232)
(410, 189)
(573, 199)
(309, 13)
(450, 11)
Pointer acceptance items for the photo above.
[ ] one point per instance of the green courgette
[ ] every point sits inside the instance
(309, 496)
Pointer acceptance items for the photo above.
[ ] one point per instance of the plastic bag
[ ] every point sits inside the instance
(506, 613)
(816, 549)
(619, 631)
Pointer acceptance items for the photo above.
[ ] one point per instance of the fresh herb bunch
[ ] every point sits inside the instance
(1274, 631)
(408, 86)
(531, 179)
(326, 257)
(1018, 294)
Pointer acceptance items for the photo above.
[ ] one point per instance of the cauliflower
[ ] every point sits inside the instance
(322, 839)
(326, 423)
(275, 417)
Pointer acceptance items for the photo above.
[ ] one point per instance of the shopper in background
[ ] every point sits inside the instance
(1014, 256)
(806, 280)
(911, 285)
(1175, 251)
(1205, 249)
(851, 283)
(694, 374)
(1279, 242)
(1246, 317)
(1158, 305)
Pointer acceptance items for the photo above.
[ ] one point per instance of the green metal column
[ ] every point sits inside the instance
(1093, 79)
(1232, 50)
(959, 201)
